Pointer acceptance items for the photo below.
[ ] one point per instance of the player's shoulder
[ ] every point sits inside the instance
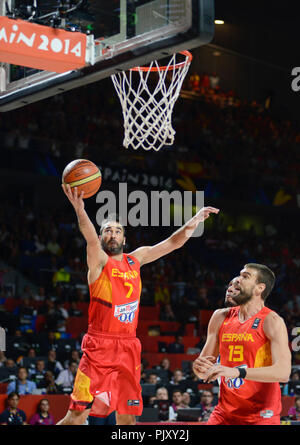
(223, 312)
(219, 316)
(271, 315)
(272, 321)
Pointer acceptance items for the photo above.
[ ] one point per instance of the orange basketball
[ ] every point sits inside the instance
(84, 175)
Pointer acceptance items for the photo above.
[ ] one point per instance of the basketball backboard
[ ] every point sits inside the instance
(122, 34)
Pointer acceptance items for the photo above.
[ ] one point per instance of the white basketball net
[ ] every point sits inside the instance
(147, 108)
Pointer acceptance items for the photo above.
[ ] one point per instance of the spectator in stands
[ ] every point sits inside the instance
(179, 288)
(178, 378)
(40, 295)
(12, 415)
(62, 316)
(61, 276)
(52, 364)
(50, 385)
(166, 313)
(56, 317)
(294, 384)
(152, 378)
(203, 302)
(65, 379)
(47, 306)
(206, 405)
(61, 309)
(74, 311)
(18, 345)
(294, 411)
(186, 399)
(37, 374)
(27, 293)
(165, 365)
(42, 415)
(177, 403)
(74, 357)
(176, 347)
(144, 366)
(11, 366)
(162, 403)
(162, 393)
(50, 343)
(53, 247)
(22, 385)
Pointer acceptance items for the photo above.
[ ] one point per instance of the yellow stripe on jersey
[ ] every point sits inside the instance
(263, 356)
(81, 389)
(102, 289)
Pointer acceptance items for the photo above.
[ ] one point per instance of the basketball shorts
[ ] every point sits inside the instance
(108, 376)
(218, 417)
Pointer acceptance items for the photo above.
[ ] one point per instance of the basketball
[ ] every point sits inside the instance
(84, 175)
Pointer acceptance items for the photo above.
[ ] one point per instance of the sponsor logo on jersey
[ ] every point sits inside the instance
(266, 414)
(126, 312)
(235, 383)
(132, 402)
(245, 336)
(256, 323)
(130, 261)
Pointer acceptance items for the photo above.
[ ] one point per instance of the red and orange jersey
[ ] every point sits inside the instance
(115, 297)
(245, 344)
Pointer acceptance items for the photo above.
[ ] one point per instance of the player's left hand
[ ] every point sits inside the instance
(218, 371)
(204, 213)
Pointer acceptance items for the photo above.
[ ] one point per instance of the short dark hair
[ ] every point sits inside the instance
(264, 275)
(177, 390)
(12, 394)
(112, 217)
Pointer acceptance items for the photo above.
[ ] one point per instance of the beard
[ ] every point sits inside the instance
(241, 298)
(112, 247)
(238, 298)
(229, 302)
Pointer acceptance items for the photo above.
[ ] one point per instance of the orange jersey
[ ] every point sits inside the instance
(245, 344)
(115, 297)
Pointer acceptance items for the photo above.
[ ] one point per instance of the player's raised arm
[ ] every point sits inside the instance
(147, 254)
(96, 257)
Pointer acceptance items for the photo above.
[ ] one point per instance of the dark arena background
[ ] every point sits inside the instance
(237, 140)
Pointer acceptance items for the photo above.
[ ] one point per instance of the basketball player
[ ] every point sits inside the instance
(108, 376)
(252, 341)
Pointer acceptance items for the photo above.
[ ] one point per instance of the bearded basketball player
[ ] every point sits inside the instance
(252, 343)
(108, 376)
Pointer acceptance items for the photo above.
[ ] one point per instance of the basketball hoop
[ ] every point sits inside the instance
(148, 103)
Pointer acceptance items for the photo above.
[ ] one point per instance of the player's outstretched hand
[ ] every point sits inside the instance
(75, 199)
(205, 212)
